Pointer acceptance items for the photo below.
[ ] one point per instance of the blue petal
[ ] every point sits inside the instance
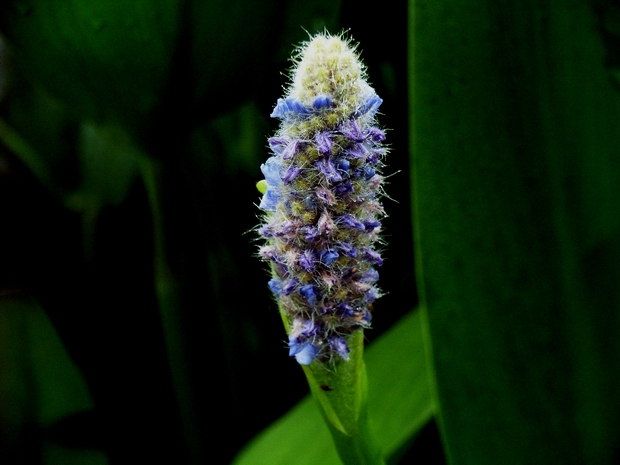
(280, 110)
(343, 189)
(276, 286)
(343, 164)
(348, 249)
(370, 106)
(370, 277)
(285, 107)
(371, 295)
(296, 106)
(304, 353)
(322, 101)
(271, 171)
(270, 200)
(293, 346)
(371, 224)
(309, 293)
(369, 172)
(329, 256)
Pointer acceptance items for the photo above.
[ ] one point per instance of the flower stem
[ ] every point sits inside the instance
(341, 390)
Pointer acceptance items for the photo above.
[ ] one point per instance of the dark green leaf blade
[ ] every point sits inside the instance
(515, 142)
(102, 59)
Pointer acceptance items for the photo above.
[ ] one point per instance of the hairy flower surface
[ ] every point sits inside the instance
(321, 189)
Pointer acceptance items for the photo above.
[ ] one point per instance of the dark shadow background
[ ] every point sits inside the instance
(98, 286)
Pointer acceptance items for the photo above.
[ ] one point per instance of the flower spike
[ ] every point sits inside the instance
(320, 200)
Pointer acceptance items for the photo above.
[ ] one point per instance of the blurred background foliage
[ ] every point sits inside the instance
(135, 321)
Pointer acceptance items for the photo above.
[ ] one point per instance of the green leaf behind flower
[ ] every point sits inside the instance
(399, 403)
(516, 138)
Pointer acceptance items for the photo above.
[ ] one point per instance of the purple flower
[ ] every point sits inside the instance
(370, 277)
(310, 232)
(343, 189)
(356, 151)
(306, 260)
(371, 295)
(291, 149)
(375, 155)
(345, 309)
(325, 195)
(375, 134)
(290, 174)
(373, 257)
(351, 222)
(324, 143)
(353, 131)
(289, 286)
(278, 144)
(328, 170)
(348, 249)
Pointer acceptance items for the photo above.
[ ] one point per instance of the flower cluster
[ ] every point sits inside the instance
(320, 198)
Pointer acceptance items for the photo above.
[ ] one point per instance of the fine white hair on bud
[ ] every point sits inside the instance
(321, 206)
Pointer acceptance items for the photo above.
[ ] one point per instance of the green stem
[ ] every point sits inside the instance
(26, 153)
(168, 297)
(341, 390)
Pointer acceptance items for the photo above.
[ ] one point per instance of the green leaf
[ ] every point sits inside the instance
(399, 404)
(515, 138)
(103, 59)
(40, 385)
(116, 59)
